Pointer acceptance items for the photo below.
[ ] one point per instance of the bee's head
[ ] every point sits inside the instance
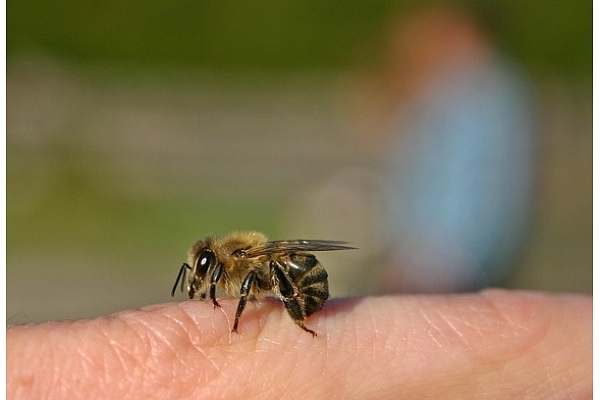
(204, 259)
(201, 258)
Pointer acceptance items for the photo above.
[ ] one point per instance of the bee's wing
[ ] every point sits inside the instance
(290, 246)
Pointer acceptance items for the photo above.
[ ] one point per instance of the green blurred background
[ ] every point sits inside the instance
(133, 128)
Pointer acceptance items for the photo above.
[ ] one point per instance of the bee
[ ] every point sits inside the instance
(247, 265)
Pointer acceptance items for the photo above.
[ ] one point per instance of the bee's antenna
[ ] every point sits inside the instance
(182, 271)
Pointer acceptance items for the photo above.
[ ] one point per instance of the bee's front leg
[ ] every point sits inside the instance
(244, 290)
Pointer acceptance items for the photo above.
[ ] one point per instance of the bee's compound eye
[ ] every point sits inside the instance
(205, 259)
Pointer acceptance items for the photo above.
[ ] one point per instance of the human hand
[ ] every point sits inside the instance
(495, 344)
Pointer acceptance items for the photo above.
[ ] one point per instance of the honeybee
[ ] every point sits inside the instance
(247, 265)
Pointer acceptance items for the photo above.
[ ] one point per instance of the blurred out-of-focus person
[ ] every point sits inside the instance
(460, 157)
(441, 185)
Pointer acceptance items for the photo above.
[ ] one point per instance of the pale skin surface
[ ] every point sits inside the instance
(496, 344)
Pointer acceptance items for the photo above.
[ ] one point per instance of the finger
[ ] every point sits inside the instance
(496, 344)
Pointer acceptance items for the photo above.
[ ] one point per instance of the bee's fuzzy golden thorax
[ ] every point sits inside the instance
(234, 242)
(227, 245)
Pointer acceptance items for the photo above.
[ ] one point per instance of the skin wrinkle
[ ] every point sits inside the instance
(390, 338)
(185, 331)
(377, 338)
(189, 354)
(431, 332)
(179, 331)
(212, 330)
(541, 337)
(391, 329)
(301, 358)
(29, 379)
(552, 362)
(445, 333)
(492, 321)
(517, 342)
(262, 322)
(159, 349)
(307, 387)
(119, 353)
(473, 326)
(141, 349)
(502, 374)
(58, 365)
(242, 348)
(184, 321)
(454, 322)
(201, 362)
(441, 336)
(151, 338)
(349, 345)
(245, 363)
(125, 352)
(413, 338)
(262, 349)
(116, 356)
(552, 380)
(58, 357)
(328, 342)
(85, 363)
(298, 345)
(497, 305)
(513, 382)
(66, 357)
(555, 361)
(481, 390)
(159, 352)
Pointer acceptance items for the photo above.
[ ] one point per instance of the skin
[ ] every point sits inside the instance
(495, 344)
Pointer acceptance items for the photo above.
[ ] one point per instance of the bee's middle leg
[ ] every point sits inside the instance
(214, 279)
(244, 290)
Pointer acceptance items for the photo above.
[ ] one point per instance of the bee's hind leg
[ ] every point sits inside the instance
(295, 311)
(244, 290)
(289, 295)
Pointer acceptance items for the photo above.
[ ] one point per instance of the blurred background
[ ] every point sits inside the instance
(451, 143)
